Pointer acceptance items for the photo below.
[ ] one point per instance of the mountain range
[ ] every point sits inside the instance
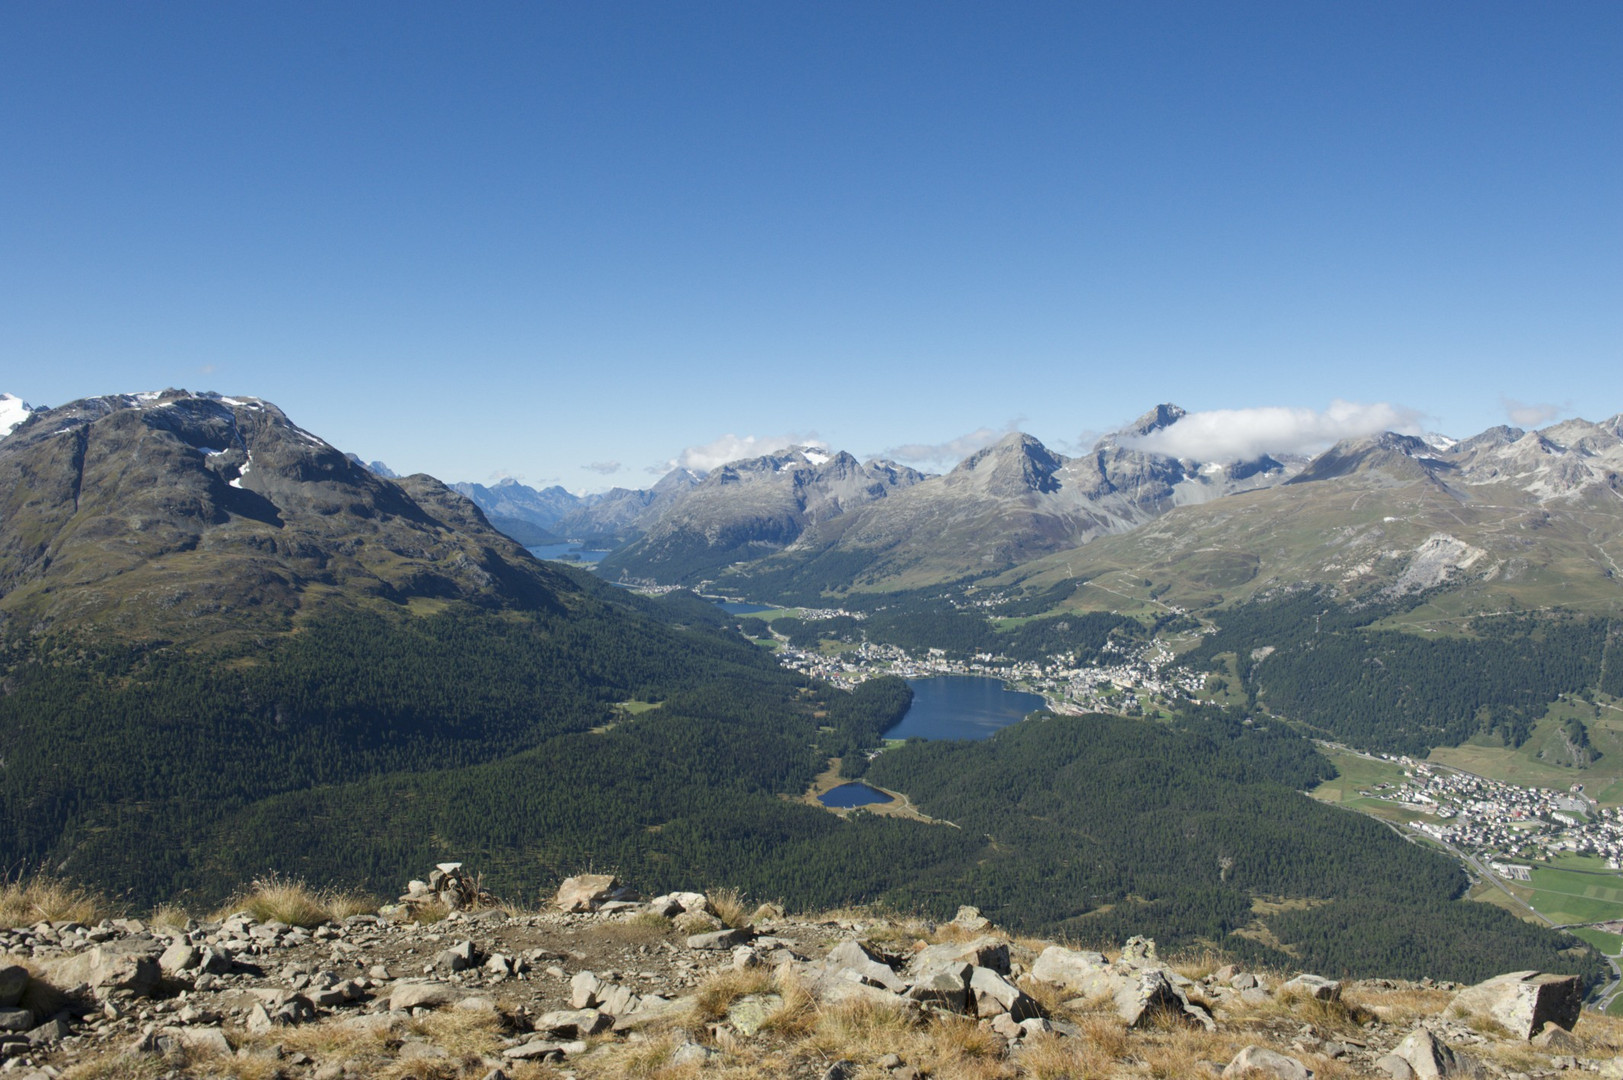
(229, 649)
(1532, 515)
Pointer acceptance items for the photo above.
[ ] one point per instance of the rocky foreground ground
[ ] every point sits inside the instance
(447, 985)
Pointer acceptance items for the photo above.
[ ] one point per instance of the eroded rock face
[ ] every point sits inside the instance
(1525, 1001)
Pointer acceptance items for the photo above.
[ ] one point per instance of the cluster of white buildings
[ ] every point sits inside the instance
(1503, 819)
(1127, 678)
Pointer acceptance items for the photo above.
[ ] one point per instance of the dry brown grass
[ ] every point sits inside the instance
(462, 1032)
(1050, 1058)
(289, 900)
(730, 907)
(26, 901)
(1196, 963)
(643, 928)
(860, 1029)
(650, 1060)
(1338, 1016)
(1106, 1035)
(1050, 997)
(169, 917)
(1400, 1008)
(717, 993)
(955, 1046)
(118, 1067)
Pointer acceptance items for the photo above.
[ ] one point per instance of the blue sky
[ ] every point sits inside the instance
(576, 242)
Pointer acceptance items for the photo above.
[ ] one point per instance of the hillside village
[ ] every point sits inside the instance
(1504, 820)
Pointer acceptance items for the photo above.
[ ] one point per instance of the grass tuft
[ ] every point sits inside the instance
(26, 901)
(729, 906)
(717, 993)
(289, 900)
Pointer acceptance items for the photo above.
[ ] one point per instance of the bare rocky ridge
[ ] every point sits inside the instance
(1530, 517)
(602, 984)
(1006, 504)
(747, 509)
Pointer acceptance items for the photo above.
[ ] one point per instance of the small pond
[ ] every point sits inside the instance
(848, 795)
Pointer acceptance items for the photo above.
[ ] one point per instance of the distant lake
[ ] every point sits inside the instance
(962, 707)
(848, 795)
(740, 608)
(567, 553)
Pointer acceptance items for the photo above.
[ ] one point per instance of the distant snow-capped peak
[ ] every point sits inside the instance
(13, 411)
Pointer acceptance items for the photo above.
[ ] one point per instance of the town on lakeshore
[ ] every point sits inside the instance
(1135, 676)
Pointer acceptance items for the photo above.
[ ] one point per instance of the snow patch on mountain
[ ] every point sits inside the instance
(13, 411)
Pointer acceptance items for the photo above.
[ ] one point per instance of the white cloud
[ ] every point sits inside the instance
(1225, 435)
(606, 468)
(1526, 415)
(952, 451)
(732, 448)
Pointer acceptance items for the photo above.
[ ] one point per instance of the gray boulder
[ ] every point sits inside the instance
(993, 995)
(1074, 969)
(122, 964)
(945, 986)
(718, 940)
(179, 957)
(420, 995)
(573, 1023)
(853, 957)
(13, 981)
(586, 990)
(970, 918)
(1524, 1001)
(587, 892)
(1313, 986)
(986, 952)
(1150, 994)
(1260, 1061)
(1429, 1058)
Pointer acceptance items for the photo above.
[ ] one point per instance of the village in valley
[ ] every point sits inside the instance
(1130, 679)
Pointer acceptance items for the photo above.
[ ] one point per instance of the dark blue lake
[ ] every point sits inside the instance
(962, 707)
(848, 795)
(567, 553)
(739, 607)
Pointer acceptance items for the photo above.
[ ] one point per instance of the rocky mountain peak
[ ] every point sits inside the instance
(1162, 416)
(1016, 464)
(221, 510)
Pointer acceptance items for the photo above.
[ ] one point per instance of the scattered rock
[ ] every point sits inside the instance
(970, 919)
(1428, 1058)
(718, 940)
(588, 892)
(420, 995)
(1075, 970)
(1313, 986)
